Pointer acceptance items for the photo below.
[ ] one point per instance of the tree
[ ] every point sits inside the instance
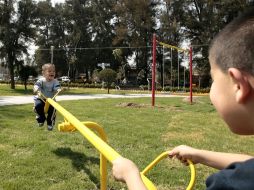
(52, 29)
(123, 68)
(108, 76)
(16, 31)
(101, 33)
(135, 25)
(25, 72)
(76, 15)
(198, 22)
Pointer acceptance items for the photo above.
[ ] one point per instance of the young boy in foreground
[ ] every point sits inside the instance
(231, 57)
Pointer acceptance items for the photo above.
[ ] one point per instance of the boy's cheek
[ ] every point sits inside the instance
(211, 94)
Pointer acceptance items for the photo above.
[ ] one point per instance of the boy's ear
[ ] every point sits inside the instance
(241, 84)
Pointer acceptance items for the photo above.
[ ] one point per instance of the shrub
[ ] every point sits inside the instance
(108, 76)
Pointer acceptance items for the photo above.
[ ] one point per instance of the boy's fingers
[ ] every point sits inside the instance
(170, 154)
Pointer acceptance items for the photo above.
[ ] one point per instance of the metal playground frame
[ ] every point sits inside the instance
(189, 51)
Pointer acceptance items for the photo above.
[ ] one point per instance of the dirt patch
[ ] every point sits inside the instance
(133, 105)
(194, 99)
(136, 105)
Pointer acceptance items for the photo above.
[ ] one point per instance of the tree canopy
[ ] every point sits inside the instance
(16, 31)
(77, 35)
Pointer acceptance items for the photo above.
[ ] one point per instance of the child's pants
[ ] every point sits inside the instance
(41, 117)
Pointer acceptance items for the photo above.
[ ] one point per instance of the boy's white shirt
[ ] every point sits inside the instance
(47, 88)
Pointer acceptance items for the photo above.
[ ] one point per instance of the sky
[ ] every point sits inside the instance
(55, 1)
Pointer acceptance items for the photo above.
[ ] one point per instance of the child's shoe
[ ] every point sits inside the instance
(50, 127)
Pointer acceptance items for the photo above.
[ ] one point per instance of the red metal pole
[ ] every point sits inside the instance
(190, 52)
(153, 69)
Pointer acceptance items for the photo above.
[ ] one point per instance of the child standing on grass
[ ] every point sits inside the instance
(231, 58)
(48, 86)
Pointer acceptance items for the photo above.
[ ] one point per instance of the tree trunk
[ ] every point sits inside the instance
(11, 70)
(87, 76)
(25, 83)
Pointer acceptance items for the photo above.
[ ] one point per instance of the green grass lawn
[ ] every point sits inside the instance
(33, 158)
(5, 90)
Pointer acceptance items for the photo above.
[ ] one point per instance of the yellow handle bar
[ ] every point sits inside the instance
(165, 154)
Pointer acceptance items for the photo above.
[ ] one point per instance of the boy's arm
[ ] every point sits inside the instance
(57, 86)
(126, 171)
(37, 87)
(218, 160)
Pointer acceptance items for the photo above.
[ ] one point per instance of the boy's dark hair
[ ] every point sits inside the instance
(234, 45)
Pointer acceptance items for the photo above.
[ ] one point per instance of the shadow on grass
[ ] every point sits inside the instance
(78, 161)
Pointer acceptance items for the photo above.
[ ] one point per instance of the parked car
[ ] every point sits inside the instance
(38, 77)
(64, 79)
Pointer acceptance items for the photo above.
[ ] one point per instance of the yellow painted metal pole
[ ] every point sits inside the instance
(46, 107)
(164, 155)
(103, 160)
(193, 176)
(67, 127)
(56, 94)
(174, 47)
(106, 151)
(98, 128)
(109, 153)
(42, 97)
(98, 143)
(153, 163)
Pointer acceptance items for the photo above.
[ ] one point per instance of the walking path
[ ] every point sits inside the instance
(17, 100)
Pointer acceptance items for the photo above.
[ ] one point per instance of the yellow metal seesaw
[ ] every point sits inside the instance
(43, 98)
(71, 123)
(164, 155)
